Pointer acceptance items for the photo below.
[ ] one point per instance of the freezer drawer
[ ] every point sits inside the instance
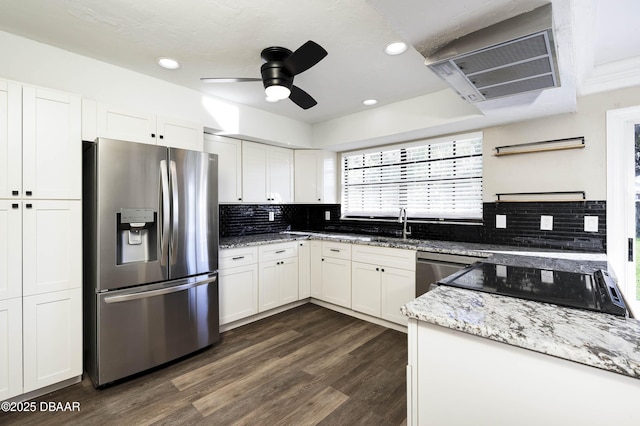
(139, 330)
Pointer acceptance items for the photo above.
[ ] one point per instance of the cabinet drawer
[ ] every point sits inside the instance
(241, 256)
(384, 256)
(277, 251)
(336, 250)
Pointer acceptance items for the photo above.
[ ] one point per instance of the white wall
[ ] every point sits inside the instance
(36, 63)
(570, 170)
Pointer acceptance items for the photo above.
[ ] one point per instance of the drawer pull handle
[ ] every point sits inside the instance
(280, 251)
(336, 250)
(237, 258)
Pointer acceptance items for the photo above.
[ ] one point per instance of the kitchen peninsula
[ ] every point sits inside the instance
(511, 361)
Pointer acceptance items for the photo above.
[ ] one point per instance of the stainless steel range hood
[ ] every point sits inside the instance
(506, 59)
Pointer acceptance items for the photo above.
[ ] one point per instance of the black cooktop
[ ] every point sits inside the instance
(594, 292)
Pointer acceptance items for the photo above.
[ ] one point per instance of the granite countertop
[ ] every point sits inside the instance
(591, 338)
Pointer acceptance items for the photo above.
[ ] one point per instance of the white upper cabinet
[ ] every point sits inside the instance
(229, 166)
(316, 176)
(179, 134)
(10, 140)
(267, 173)
(51, 144)
(139, 126)
(127, 125)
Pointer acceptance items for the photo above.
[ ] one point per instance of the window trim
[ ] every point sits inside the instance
(405, 145)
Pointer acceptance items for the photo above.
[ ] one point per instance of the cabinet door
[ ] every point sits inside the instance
(288, 280)
(308, 176)
(315, 267)
(10, 140)
(10, 348)
(304, 270)
(280, 173)
(179, 134)
(238, 293)
(254, 172)
(336, 281)
(126, 125)
(52, 329)
(398, 288)
(51, 144)
(365, 288)
(52, 246)
(10, 249)
(268, 291)
(229, 166)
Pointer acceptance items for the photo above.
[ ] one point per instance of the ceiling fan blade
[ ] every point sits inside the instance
(228, 80)
(304, 58)
(301, 98)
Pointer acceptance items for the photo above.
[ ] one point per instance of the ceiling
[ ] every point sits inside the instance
(223, 38)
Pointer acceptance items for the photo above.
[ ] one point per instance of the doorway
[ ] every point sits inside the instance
(623, 201)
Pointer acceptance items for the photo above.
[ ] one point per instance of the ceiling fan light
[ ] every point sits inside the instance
(277, 92)
(268, 99)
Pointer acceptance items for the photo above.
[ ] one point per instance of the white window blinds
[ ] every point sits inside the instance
(432, 179)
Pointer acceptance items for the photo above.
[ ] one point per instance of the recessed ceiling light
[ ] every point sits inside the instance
(168, 63)
(395, 48)
(369, 102)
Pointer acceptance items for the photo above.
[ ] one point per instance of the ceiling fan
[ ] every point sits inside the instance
(280, 66)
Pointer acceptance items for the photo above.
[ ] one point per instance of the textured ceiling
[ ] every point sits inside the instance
(223, 38)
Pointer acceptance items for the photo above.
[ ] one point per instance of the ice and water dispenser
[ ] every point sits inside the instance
(137, 235)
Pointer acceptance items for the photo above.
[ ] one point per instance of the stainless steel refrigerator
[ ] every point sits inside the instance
(151, 256)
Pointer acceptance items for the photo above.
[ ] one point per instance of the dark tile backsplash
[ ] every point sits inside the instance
(523, 224)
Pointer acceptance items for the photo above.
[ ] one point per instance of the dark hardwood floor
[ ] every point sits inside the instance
(306, 366)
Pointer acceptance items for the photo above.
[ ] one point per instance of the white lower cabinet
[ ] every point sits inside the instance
(10, 348)
(398, 288)
(278, 275)
(238, 293)
(304, 270)
(380, 288)
(315, 269)
(336, 273)
(366, 288)
(52, 334)
(238, 284)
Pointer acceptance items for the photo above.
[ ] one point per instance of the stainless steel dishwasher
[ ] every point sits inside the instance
(432, 267)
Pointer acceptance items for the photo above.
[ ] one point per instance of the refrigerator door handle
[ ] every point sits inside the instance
(164, 237)
(175, 208)
(160, 292)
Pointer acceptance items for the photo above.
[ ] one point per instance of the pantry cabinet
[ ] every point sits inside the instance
(40, 238)
(229, 153)
(316, 176)
(238, 283)
(267, 173)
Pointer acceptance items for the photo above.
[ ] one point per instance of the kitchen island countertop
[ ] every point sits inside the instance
(591, 338)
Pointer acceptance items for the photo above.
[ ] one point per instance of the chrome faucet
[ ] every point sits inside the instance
(403, 219)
